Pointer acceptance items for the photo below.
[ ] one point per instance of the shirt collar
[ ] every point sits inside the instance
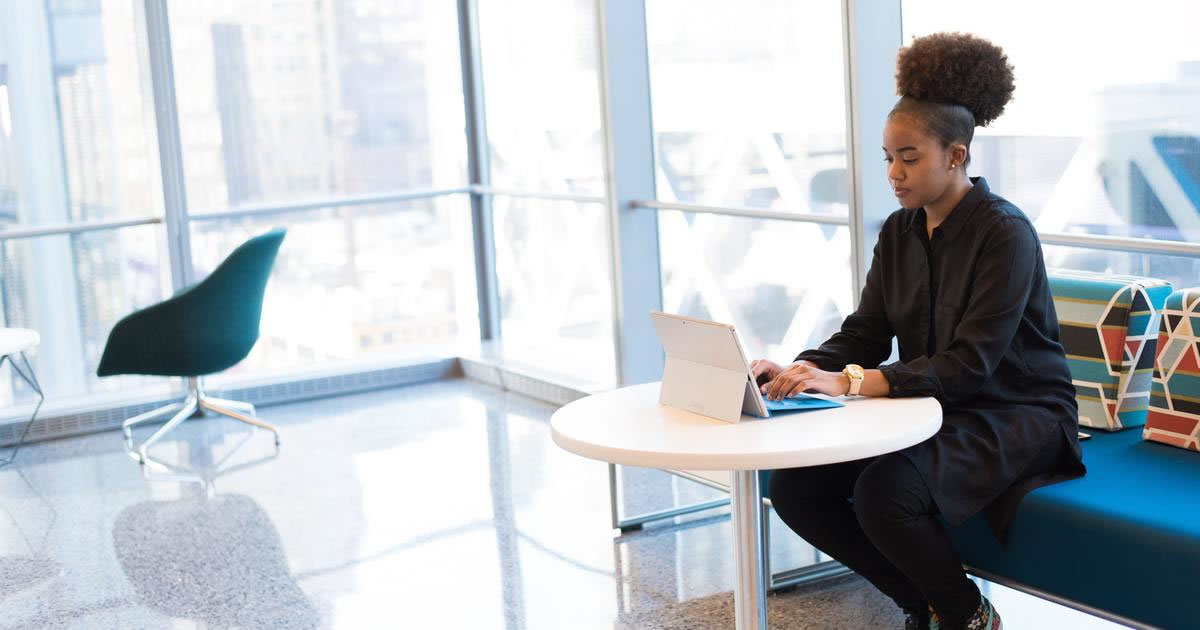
(961, 213)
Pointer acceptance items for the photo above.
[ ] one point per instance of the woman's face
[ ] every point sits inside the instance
(918, 168)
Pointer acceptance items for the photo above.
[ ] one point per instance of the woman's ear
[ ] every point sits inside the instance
(958, 155)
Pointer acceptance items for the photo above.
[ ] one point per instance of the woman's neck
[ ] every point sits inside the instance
(940, 208)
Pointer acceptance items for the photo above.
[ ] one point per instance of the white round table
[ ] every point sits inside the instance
(629, 426)
(13, 344)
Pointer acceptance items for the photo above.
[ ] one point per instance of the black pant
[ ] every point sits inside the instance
(889, 534)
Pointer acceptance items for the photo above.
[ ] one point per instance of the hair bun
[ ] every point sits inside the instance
(956, 68)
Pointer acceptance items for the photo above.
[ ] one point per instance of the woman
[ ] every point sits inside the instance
(958, 279)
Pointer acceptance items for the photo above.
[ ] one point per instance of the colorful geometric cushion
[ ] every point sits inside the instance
(1109, 327)
(1175, 394)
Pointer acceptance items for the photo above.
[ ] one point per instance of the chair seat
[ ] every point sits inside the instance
(1124, 538)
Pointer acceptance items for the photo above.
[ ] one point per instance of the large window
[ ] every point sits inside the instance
(344, 121)
(295, 100)
(749, 111)
(1103, 133)
(77, 145)
(542, 95)
(378, 281)
(553, 266)
(749, 106)
(785, 285)
(555, 294)
(321, 116)
(313, 104)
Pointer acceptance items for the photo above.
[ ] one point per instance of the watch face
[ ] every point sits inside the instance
(854, 371)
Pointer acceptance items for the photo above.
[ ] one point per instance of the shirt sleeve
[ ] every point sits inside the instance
(866, 334)
(1000, 290)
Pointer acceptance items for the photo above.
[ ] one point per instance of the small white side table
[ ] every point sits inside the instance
(13, 344)
(628, 426)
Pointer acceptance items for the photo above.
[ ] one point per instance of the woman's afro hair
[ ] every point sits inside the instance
(956, 68)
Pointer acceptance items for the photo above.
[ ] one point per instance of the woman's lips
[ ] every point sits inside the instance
(900, 192)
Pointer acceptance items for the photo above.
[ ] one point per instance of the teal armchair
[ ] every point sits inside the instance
(202, 330)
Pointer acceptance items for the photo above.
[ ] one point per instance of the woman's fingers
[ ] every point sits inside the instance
(802, 386)
(764, 371)
(795, 383)
(787, 381)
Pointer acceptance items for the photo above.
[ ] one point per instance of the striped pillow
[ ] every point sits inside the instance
(1175, 394)
(1109, 326)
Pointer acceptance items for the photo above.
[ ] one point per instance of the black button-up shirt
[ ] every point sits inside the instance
(971, 311)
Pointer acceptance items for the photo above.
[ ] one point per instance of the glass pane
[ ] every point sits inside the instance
(749, 103)
(1181, 272)
(553, 271)
(543, 94)
(384, 281)
(733, 270)
(292, 100)
(1099, 138)
(73, 290)
(77, 136)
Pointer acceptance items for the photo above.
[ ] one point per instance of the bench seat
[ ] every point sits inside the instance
(1125, 538)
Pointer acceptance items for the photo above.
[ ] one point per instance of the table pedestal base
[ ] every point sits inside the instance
(749, 591)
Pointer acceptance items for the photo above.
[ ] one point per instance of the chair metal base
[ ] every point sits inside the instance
(196, 400)
(205, 478)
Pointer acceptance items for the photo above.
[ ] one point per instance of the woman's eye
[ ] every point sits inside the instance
(910, 161)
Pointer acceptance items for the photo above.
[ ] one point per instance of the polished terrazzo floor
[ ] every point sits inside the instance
(443, 505)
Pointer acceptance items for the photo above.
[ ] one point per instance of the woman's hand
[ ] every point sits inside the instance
(799, 377)
(764, 371)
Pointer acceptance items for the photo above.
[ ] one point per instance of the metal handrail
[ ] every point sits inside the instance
(742, 211)
(532, 194)
(1065, 239)
(260, 209)
(1091, 241)
(74, 228)
(1121, 244)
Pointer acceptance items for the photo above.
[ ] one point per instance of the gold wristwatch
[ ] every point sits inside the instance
(855, 374)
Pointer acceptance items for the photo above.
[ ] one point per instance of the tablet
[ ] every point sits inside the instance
(706, 368)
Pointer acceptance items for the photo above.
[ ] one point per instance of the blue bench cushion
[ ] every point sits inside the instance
(1174, 416)
(1109, 327)
(1124, 538)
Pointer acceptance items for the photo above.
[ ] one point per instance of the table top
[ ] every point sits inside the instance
(13, 340)
(628, 426)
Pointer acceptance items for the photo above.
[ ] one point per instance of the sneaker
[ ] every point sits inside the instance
(985, 618)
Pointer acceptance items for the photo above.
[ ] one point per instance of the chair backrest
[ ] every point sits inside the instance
(1174, 416)
(233, 292)
(205, 329)
(1109, 328)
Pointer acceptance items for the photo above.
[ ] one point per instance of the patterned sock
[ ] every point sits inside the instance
(985, 617)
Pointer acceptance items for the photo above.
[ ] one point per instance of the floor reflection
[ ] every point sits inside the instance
(25, 565)
(214, 559)
(444, 505)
